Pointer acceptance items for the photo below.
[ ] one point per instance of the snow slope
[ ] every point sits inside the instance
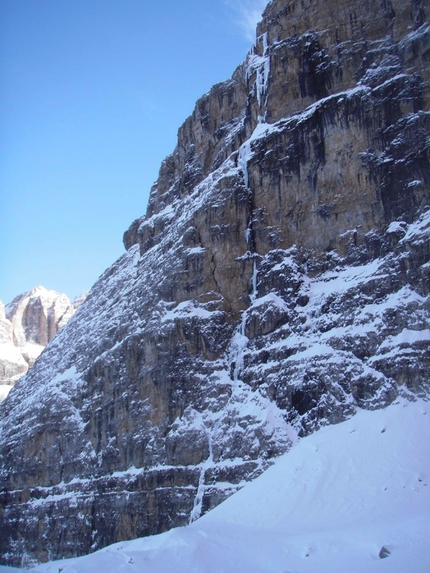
(329, 505)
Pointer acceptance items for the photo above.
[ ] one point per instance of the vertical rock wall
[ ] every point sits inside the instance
(278, 282)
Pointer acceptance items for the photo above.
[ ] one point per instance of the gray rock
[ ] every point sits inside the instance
(278, 282)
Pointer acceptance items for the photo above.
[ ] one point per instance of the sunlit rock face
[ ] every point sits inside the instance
(278, 282)
(27, 324)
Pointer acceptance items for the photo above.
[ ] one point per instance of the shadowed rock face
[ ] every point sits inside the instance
(278, 282)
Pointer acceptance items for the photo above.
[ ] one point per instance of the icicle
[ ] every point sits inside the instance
(263, 72)
(243, 158)
(198, 500)
(265, 43)
(254, 292)
(248, 235)
(260, 65)
(238, 346)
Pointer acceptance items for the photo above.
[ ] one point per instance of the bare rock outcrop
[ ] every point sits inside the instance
(278, 282)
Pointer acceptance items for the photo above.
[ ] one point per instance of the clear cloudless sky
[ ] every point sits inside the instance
(92, 93)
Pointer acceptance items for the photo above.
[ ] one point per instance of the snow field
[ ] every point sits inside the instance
(329, 505)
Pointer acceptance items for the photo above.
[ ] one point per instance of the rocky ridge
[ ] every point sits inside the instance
(278, 282)
(27, 324)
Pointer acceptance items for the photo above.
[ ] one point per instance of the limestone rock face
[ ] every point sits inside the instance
(36, 318)
(27, 324)
(278, 282)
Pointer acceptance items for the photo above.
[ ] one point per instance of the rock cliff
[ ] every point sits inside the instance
(27, 324)
(278, 282)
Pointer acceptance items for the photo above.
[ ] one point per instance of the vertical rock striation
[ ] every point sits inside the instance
(278, 282)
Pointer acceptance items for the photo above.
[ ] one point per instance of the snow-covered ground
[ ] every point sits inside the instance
(330, 505)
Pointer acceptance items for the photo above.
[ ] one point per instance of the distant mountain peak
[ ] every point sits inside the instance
(27, 324)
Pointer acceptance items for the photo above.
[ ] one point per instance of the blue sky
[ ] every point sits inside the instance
(92, 93)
